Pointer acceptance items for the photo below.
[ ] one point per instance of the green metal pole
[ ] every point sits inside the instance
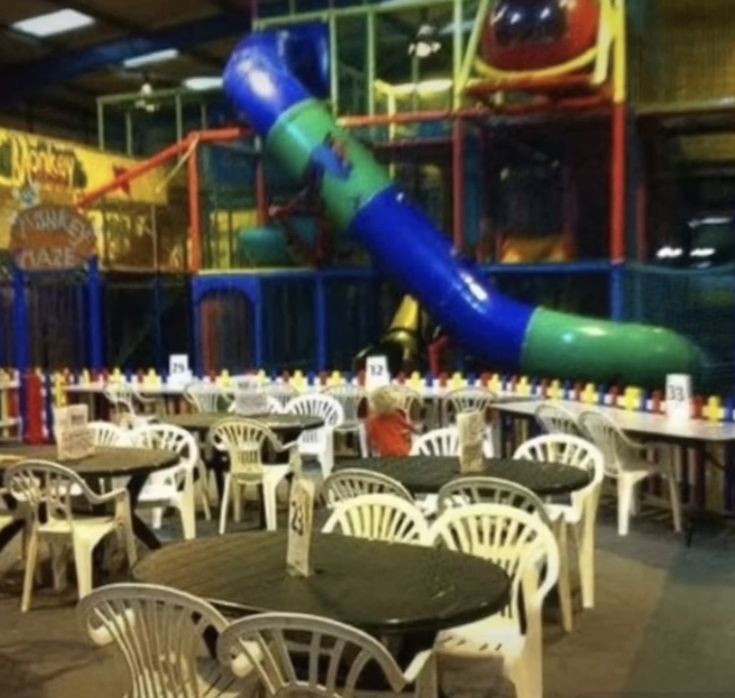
(458, 18)
(179, 118)
(370, 63)
(128, 132)
(474, 42)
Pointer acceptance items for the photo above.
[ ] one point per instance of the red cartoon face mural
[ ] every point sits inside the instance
(534, 34)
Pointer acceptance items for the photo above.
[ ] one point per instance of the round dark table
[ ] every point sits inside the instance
(428, 474)
(288, 427)
(135, 463)
(383, 588)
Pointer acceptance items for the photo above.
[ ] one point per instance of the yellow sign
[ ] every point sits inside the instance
(64, 169)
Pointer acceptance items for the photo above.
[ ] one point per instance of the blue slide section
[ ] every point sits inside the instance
(276, 80)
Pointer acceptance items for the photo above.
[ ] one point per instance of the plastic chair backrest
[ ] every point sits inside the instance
(467, 400)
(383, 517)
(160, 632)
(354, 482)
(243, 440)
(438, 442)
(490, 490)
(318, 405)
(37, 483)
(281, 392)
(555, 419)
(351, 397)
(206, 397)
(567, 450)
(519, 542)
(121, 395)
(607, 436)
(300, 655)
(109, 434)
(167, 437)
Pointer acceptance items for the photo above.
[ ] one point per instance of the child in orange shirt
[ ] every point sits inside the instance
(388, 429)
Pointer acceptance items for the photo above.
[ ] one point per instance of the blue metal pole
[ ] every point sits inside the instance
(617, 300)
(158, 357)
(20, 321)
(94, 297)
(320, 322)
(197, 357)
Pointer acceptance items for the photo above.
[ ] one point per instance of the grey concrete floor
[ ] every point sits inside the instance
(664, 625)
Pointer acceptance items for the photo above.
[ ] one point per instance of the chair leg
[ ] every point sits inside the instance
(157, 518)
(58, 565)
(327, 458)
(625, 493)
(675, 498)
(270, 503)
(586, 553)
(224, 504)
(31, 557)
(202, 487)
(238, 492)
(187, 512)
(362, 439)
(83, 563)
(564, 584)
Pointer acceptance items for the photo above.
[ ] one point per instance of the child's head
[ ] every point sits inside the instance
(383, 401)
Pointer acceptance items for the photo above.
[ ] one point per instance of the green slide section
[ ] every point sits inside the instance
(557, 344)
(306, 133)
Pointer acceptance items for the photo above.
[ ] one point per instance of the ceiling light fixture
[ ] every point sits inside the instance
(53, 23)
(154, 57)
(203, 83)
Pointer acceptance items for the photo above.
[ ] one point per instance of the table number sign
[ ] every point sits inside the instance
(678, 397)
(471, 427)
(74, 438)
(377, 374)
(300, 526)
(179, 373)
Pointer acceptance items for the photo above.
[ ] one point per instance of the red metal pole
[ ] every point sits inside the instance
(618, 184)
(458, 202)
(195, 226)
(220, 134)
(409, 117)
(261, 194)
(156, 161)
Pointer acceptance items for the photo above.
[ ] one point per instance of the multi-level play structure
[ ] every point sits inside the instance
(294, 211)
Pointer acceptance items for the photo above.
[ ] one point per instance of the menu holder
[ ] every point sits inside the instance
(74, 438)
(471, 428)
(300, 528)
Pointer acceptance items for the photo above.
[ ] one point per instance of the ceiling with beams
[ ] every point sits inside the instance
(50, 84)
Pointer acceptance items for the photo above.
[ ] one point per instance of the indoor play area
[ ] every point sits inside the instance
(310, 214)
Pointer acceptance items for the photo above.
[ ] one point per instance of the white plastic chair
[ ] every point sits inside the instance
(244, 440)
(122, 398)
(466, 400)
(524, 546)
(383, 517)
(295, 654)
(579, 515)
(174, 486)
(555, 419)
(437, 442)
(353, 482)
(625, 462)
(206, 397)
(280, 392)
(247, 403)
(45, 490)
(109, 434)
(318, 442)
(161, 634)
(480, 489)
(351, 397)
